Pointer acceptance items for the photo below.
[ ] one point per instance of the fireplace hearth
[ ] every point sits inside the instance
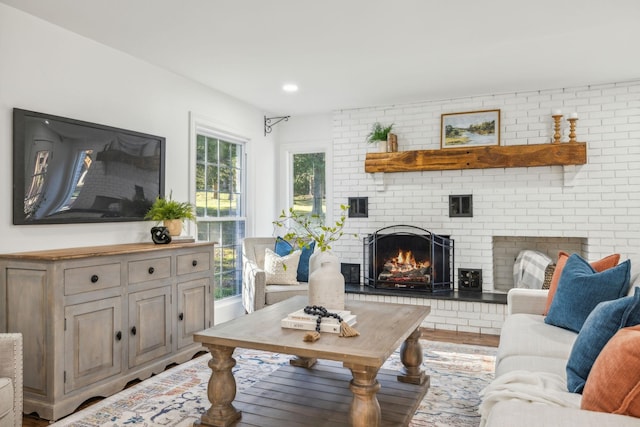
(405, 257)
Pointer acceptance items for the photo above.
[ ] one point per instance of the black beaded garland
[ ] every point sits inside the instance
(316, 310)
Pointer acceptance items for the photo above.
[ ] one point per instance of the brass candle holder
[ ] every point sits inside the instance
(556, 123)
(572, 129)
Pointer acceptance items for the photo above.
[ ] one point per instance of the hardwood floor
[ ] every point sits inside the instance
(461, 337)
(429, 334)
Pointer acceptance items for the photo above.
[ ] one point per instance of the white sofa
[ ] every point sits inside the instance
(527, 343)
(255, 292)
(11, 374)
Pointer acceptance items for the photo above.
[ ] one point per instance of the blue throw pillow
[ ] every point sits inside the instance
(285, 248)
(602, 324)
(581, 288)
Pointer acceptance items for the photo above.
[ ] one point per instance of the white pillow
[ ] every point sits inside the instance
(281, 270)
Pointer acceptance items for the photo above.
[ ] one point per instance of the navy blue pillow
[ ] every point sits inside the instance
(581, 288)
(602, 324)
(285, 248)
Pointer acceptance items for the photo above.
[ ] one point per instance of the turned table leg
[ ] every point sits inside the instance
(411, 357)
(365, 409)
(221, 389)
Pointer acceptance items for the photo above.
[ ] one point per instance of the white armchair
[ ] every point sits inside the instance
(255, 292)
(11, 374)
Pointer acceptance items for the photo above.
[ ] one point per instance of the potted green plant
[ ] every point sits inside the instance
(379, 135)
(171, 212)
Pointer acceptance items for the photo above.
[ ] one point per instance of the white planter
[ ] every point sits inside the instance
(318, 257)
(326, 287)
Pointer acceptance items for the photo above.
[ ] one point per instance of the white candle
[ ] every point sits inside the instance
(573, 115)
(556, 112)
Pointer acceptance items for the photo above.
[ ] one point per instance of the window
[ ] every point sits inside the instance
(220, 200)
(309, 184)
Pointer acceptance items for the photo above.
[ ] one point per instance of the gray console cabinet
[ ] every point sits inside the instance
(95, 318)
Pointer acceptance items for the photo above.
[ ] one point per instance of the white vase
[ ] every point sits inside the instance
(318, 257)
(382, 146)
(326, 287)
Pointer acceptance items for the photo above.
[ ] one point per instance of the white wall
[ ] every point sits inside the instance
(48, 69)
(599, 201)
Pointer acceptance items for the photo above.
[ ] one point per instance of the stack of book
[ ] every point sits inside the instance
(301, 320)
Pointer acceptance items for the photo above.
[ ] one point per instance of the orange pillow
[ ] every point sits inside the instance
(599, 266)
(613, 385)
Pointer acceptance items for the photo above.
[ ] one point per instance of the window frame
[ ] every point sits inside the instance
(203, 126)
(287, 151)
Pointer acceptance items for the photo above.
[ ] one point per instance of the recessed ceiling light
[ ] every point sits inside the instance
(290, 87)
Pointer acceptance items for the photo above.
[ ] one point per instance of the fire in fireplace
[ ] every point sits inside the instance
(405, 268)
(408, 257)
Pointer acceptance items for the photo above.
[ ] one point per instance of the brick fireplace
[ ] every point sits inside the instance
(589, 209)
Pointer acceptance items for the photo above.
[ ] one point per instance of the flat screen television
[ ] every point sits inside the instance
(70, 171)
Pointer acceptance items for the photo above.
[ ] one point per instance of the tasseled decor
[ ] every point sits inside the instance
(347, 331)
(312, 336)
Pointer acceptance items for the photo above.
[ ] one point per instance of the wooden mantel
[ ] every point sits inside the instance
(513, 156)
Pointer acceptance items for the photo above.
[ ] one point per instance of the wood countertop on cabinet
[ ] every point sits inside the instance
(91, 251)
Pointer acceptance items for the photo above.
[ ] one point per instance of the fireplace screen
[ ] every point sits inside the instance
(408, 257)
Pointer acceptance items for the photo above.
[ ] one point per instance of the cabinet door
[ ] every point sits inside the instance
(149, 325)
(93, 346)
(194, 313)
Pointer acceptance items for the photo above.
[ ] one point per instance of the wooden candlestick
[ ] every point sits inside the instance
(572, 129)
(556, 135)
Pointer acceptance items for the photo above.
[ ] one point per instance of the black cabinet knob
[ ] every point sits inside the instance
(94, 278)
(194, 262)
(118, 336)
(181, 316)
(151, 270)
(133, 330)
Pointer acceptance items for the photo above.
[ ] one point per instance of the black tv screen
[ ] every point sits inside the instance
(70, 171)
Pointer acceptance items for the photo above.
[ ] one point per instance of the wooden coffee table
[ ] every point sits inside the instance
(383, 328)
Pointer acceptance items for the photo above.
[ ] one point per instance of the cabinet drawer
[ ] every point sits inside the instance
(149, 269)
(192, 263)
(92, 278)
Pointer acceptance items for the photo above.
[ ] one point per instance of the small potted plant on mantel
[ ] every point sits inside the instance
(171, 212)
(379, 135)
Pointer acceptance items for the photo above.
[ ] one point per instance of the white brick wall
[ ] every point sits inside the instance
(449, 315)
(599, 201)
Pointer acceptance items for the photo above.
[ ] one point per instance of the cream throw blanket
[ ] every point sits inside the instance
(534, 387)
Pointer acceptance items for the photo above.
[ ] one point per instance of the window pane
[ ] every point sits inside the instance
(200, 177)
(225, 179)
(212, 150)
(212, 177)
(228, 153)
(227, 254)
(309, 184)
(200, 149)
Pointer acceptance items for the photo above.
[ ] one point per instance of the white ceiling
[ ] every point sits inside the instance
(358, 53)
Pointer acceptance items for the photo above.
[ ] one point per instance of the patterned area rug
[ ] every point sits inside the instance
(178, 396)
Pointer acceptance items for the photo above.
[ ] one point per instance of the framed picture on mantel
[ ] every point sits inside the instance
(470, 129)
